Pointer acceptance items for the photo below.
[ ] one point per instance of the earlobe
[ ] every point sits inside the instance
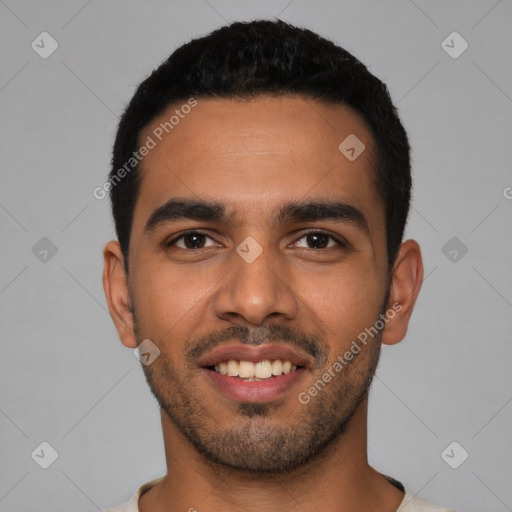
(115, 284)
(404, 289)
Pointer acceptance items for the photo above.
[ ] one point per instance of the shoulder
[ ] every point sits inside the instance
(412, 504)
(132, 505)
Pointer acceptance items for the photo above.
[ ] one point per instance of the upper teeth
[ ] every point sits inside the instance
(248, 369)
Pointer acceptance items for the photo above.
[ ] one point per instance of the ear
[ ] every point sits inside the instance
(115, 284)
(405, 286)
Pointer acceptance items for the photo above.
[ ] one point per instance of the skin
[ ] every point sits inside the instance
(252, 156)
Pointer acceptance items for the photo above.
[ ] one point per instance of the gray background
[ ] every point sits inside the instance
(67, 380)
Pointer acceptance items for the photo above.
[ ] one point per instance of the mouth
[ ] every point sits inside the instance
(254, 371)
(254, 374)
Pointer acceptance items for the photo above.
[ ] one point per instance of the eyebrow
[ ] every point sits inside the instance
(292, 211)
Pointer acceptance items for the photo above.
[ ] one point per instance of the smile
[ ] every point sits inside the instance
(257, 374)
(254, 371)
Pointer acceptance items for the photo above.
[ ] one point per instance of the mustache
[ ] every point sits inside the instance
(267, 334)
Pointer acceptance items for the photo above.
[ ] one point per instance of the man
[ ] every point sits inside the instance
(260, 188)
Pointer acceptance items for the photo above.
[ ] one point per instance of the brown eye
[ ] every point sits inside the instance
(320, 240)
(192, 240)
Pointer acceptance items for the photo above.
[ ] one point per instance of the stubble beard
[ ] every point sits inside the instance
(256, 442)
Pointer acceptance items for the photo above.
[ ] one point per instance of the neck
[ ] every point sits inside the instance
(339, 479)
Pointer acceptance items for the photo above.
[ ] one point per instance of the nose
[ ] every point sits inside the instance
(256, 289)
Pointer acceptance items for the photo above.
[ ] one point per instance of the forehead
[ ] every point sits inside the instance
(253, 154)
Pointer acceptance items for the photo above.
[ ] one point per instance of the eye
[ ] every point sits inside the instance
(196, 240)
(321, 240)
(191, 240)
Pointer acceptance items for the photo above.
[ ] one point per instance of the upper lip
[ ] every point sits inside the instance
(254, 353)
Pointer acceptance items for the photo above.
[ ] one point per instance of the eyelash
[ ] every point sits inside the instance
(172, 242)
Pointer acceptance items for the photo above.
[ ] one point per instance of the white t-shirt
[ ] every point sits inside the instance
(409, 503)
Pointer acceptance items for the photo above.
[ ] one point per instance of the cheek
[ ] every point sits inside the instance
(168, 300)
(344, 304)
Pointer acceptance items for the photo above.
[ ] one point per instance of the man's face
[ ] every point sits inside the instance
(249, 285)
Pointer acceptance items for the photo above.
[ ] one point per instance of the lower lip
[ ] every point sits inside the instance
(255, 391)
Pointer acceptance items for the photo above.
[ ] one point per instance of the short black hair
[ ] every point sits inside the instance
(265, 57)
